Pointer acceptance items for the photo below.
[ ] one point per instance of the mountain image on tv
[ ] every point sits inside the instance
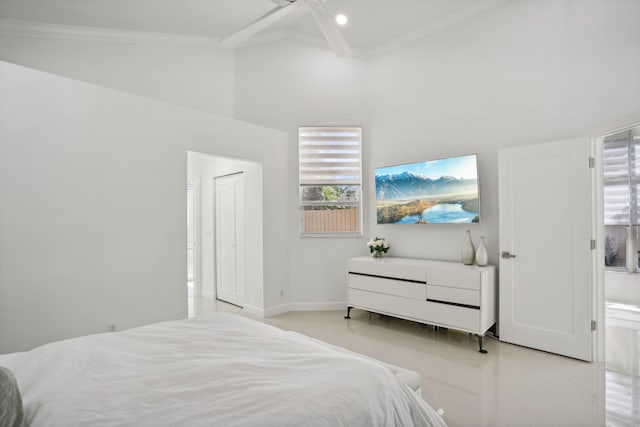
(436, 192)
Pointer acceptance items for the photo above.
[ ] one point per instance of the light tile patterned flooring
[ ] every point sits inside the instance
(510, 386)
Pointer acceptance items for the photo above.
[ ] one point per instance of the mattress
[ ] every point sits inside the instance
(223, 370)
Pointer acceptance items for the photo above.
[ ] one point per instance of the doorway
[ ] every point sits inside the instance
(206, 170)
(621, 262)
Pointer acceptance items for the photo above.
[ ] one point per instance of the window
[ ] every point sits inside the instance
(330, 176)
(621, 208)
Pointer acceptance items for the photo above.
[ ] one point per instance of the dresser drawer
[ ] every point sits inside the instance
(388, 286)
(387, 268)
(467, 278)
(466, 319)
(407, 308)
(453, 295)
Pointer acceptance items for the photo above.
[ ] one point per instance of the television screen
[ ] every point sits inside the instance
(435, 192)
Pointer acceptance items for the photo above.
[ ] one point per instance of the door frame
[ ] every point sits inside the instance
(598, 263)
(197, 246)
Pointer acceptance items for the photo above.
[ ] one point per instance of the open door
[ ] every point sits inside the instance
(546, 265)
(230, 262)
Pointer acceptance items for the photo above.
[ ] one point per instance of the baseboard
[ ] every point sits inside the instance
(305, 306)
(317, 306)
(278, 309)
(256, 311)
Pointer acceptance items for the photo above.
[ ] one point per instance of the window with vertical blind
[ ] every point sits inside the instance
(330, 178)
(621, 209)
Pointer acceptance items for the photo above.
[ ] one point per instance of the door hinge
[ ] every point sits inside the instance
(592, 162)
(593, 325)
(593, 243)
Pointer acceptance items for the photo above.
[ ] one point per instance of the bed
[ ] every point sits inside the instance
(220, 370)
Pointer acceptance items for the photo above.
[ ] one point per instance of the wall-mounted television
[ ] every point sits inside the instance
(440, 191)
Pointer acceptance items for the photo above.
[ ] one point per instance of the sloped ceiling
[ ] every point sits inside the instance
(373, 24)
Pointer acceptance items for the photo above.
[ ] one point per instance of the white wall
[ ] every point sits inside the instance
(92, 186)
(283, 85)
(622, 286)
(525, 72)
(190, 73)
(207, 167)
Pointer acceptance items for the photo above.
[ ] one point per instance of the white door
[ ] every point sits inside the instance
(546, 264)
(230, 238)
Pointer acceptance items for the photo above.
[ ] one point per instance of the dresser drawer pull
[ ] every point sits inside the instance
(388, 277)
(475, 307)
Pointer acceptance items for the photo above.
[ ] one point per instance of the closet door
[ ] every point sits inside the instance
(230, 262)
(546, 265)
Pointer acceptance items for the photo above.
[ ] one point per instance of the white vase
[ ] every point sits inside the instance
(468, 250)
(482, 258)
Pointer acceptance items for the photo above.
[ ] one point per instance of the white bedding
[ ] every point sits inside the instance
(224, 370)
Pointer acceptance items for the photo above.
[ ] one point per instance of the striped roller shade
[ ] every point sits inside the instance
(330, 155)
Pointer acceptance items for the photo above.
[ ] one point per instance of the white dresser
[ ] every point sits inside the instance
(440, 293)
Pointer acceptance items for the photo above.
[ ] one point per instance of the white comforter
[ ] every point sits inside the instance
(224, 370)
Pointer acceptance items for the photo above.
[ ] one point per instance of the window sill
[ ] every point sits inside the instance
(339, 235)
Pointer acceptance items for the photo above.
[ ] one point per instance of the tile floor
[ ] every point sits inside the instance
(510, 386)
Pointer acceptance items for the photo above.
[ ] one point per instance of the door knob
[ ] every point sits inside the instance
(507, 254)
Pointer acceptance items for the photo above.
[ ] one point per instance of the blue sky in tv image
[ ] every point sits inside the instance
(432, 192)
(463, 167)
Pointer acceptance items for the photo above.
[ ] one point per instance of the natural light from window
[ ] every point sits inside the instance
(330, 178)
(621, 207)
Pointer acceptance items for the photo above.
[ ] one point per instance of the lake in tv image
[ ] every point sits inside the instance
(434, 192)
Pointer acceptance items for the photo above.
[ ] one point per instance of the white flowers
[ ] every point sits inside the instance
(378, 244)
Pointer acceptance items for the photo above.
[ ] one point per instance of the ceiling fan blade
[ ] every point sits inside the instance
(337, 43)
(260, 24)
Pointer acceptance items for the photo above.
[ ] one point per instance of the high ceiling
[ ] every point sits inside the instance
(372, 23)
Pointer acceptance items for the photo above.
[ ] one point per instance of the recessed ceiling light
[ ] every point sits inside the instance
(342, 19)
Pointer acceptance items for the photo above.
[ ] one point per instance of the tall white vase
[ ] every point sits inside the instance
(468, 250)
(482, 258)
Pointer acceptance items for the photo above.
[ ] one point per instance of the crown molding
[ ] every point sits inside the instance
(434, 27)
(613, 127)
(265, 37)
(9, 27)
(294, 36)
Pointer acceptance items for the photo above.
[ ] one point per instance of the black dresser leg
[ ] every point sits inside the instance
(482, 350)
(348, 316)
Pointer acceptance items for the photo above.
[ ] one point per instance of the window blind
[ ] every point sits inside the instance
(621, 180)
(330, 156)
